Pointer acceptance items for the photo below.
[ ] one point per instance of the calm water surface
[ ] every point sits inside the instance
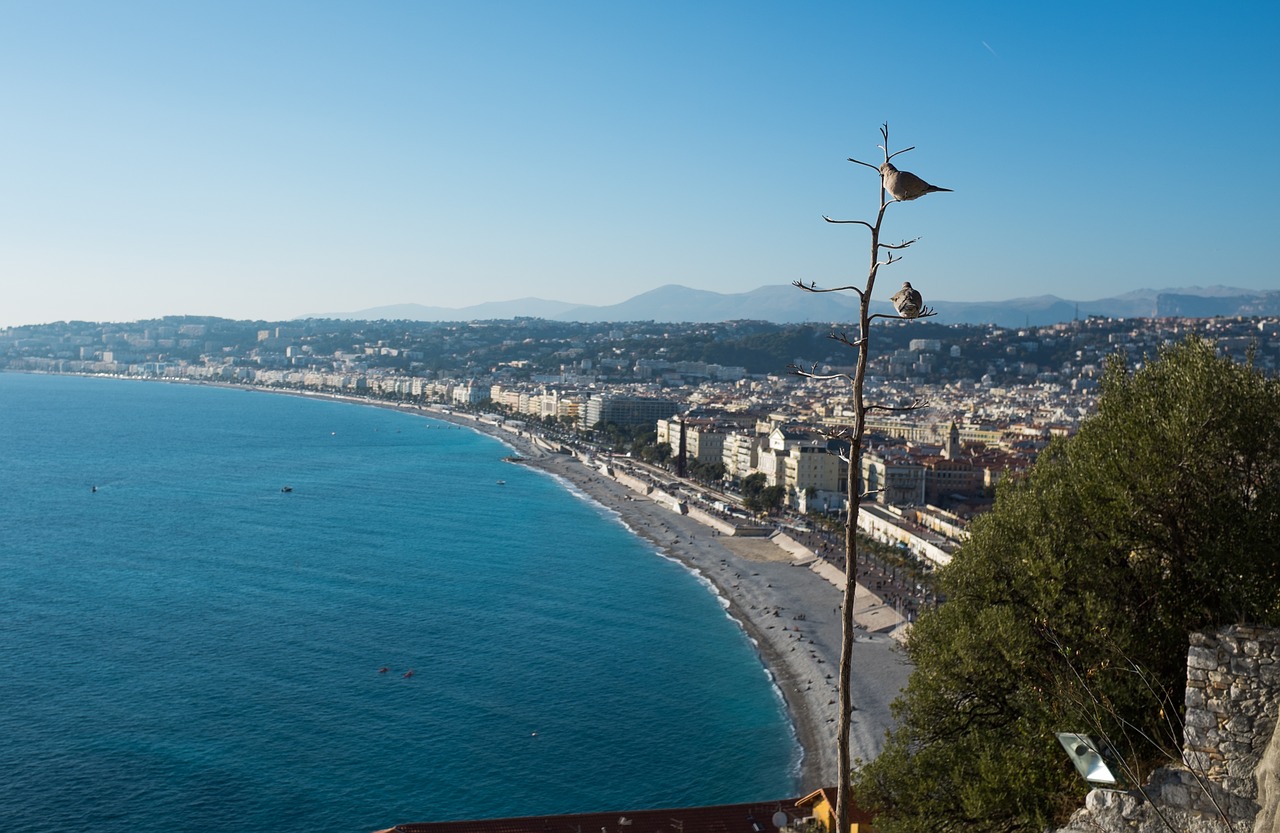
(190, 647)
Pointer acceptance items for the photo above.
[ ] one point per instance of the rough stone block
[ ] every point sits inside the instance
(1175, 795)
(1196, 760)
(1242, 769)
(1202, 658)
(1240, 786)
(1200, 718)
(1239, 725)
(1112, 802)
(1218, 706)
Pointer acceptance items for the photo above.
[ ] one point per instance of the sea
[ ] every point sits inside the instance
(232, 610)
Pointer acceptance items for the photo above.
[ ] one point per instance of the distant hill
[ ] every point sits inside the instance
(490, 310)
(784, 304)
(779, 304)
(1197, 306)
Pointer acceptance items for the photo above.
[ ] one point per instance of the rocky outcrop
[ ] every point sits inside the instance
(1267, 776)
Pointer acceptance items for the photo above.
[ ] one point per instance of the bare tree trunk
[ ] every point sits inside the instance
(848, 627)
(854, 435)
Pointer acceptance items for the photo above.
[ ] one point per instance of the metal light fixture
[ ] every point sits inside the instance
(1088, 758)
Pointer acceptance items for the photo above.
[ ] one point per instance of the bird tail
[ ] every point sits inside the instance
(933, 188)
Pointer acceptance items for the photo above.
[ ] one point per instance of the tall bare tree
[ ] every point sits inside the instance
(895, 186)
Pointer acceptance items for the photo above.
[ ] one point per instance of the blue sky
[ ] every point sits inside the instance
(268, 159)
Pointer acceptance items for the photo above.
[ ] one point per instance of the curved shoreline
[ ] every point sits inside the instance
(788, 611)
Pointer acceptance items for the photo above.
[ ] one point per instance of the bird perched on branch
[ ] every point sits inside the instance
(907, 300)
(904, 185)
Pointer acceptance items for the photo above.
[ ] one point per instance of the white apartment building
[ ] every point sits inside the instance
(811, 468)
(740, 455)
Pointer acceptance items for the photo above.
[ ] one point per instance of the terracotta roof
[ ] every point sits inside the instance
(755, 817)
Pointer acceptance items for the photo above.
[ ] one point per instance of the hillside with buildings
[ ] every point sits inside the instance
(712, 400)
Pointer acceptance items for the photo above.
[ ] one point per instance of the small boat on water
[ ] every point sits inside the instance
(286, 489)
(502, 482)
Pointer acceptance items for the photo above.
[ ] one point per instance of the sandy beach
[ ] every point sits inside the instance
(789, 610)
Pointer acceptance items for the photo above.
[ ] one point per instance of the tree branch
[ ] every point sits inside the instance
(884, 131)
(916, 405)
(811, 373)
(901, 245)
(875, 168)
(813, 287)
(844, 339)
(927, 312)
(848, 222)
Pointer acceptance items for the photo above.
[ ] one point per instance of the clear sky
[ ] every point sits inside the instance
(264, 160)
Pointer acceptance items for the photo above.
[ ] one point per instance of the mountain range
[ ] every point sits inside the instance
(789, 305)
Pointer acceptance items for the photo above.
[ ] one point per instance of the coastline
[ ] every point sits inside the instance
(789, 611)
(787, 604)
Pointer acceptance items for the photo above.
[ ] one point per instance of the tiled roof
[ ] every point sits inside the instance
(722, 818)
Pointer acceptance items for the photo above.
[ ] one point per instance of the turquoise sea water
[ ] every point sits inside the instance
(189, 647)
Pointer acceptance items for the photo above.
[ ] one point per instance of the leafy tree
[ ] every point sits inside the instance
(772, 497)
(1160, 517)
(641, 440)
(711, 473)
(612, 434)
(752, 485)
(758, 496)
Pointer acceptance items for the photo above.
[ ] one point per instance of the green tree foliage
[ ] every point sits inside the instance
(709, 473)
(753, 488)
(1160, 517)
(772, 498)
(622, 439)
(758, 496)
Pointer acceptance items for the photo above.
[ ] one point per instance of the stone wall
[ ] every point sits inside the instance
(1233, 683)
(1229, 780)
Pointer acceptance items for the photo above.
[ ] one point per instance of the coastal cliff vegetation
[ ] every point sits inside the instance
(1071, 606)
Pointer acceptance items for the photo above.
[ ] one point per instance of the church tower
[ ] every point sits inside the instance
(951, 448)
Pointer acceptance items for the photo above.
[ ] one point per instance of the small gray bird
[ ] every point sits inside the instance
(904, 185)
(908, 301)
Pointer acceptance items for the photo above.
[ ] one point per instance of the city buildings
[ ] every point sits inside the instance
(990, 398)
